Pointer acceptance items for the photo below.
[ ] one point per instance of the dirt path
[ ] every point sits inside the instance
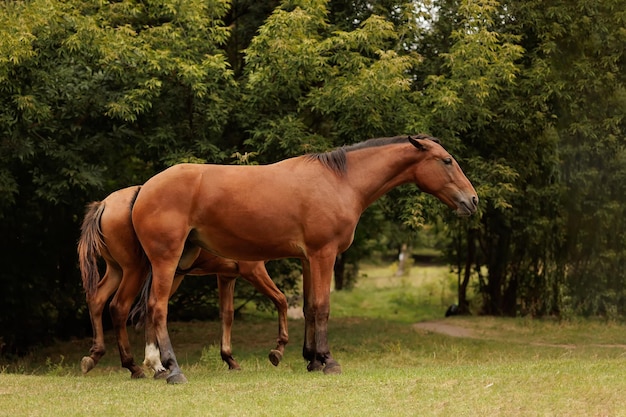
(446, 328)
(440, 326)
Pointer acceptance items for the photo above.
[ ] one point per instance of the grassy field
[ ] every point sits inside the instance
(391, 367)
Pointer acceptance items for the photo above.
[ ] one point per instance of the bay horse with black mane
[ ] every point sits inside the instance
(305, 207)
(107, 232)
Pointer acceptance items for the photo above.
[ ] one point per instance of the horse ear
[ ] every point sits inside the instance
(417, 144)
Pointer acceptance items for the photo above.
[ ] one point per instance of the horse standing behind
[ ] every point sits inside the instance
(305, 207)
(107, 232)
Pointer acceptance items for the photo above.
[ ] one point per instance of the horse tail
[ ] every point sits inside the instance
(140, 309)
(90, 245)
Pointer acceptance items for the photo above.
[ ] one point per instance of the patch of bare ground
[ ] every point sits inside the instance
(440, 326)
(455, 330)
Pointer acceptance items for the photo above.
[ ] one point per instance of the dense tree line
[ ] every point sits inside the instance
(528, 95)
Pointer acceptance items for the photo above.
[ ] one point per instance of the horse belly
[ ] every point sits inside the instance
(249, 240)
(255, 237)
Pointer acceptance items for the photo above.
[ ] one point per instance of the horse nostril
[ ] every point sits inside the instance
(475, 200)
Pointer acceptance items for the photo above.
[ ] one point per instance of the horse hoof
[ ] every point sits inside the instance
(87, 364)
(275, 357)
(332, 368)
(176, 379)
(161, 374)
(137, 375)
(315, 366)
(231, 362)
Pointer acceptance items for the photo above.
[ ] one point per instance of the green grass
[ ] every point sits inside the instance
(423, 294)
(510, 367)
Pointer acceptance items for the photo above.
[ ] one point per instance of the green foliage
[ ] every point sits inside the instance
(520, 83)
(480, 65)
(587, 78)
(307, 83)
(575, 68)
(94, 97)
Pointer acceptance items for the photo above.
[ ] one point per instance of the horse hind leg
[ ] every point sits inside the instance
(226, 287)
(120, 307)
(153, 360)
(152, 353)
(162, 276)
(257, 275)
(106, 287)
(163, 248)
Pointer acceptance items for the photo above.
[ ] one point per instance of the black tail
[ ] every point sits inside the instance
(140, 309)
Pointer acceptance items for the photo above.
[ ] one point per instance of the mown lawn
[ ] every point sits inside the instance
(508, 367)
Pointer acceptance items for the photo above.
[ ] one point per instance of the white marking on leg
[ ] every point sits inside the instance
(153, 358)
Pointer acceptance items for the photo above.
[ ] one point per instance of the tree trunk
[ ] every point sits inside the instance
(402, 260)
(469, 261)
(496, 281)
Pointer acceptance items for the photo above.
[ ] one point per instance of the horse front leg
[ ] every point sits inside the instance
(256, 274)
(308, 348)
(106, 287)
(226, 289)
(316, 312)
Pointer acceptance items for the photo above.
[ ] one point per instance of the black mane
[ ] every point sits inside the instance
(336, 160)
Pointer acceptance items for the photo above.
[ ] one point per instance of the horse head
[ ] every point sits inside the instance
(439, 174)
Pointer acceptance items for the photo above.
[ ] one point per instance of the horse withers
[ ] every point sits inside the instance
(305, 207)
(107, 233)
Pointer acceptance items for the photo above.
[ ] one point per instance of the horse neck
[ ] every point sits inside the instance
(372, 172)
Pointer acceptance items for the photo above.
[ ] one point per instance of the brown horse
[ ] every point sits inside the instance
(107, 232)
(305, 207)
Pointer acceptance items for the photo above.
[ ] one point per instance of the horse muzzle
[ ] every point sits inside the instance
(467, 206)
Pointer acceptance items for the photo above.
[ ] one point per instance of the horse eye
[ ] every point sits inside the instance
(447, 161)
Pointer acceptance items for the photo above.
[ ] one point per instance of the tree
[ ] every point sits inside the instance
(467, 99)
(542, 132)
(578, 46)
(94, 97)
(310, 86)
